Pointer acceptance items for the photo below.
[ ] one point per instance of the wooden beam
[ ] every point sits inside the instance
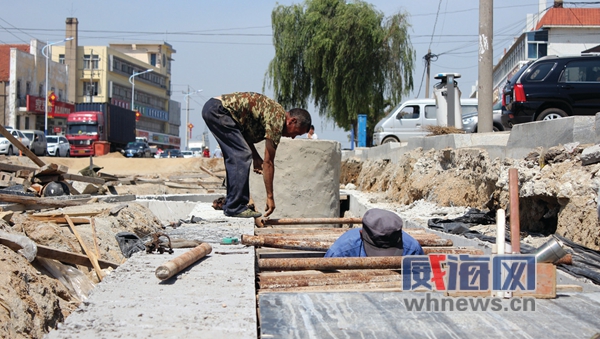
(22, 147)
(60, 255)
(87, 251)
(25, 200)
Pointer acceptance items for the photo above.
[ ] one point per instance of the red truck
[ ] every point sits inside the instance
(95, 122)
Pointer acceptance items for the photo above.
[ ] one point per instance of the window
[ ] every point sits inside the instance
(90, 61)
(90, 88)
(430, 112)
(539, 72)
(60, 94)
(26, 122)
(61, 59)
(153, 59)
(581, 71)
(18, 89)
(537, 44)
(27, 88)
(41, 90)
(409, 112)
(468, 109)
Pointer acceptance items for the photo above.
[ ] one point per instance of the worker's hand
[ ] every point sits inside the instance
(258, 163)
(270, 207)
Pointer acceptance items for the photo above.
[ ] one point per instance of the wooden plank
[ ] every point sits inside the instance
(188, 186)
(15, 168)
(91, 180)
(52, 169)
(25, 200)
(21, 147)
(61, 219)
(211, 173)
(87, 251)
(60, 255)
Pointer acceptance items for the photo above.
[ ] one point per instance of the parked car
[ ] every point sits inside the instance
(171, 153)
(469, 120)
(407, 120)
(553, 87)
(188, 154)
(58, 146)
(137, 149)
(6, 147)
(38, 144)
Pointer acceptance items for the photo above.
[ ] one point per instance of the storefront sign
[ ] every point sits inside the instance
(38, 105)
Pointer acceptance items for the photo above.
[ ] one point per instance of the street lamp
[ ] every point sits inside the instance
(48, 44)
(132, 81)
(187, 115)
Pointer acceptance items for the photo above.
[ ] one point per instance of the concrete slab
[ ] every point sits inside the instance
(388, 315)
(306, 180)
(526, 137)
(213, 298)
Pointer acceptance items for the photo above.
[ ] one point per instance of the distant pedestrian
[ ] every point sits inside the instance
(217, 153)
(381, 235)
(206, 152)
(311, 133)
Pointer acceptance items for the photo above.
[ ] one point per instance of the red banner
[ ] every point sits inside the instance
(38, 105)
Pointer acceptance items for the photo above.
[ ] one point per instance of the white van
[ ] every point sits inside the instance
(408, 119)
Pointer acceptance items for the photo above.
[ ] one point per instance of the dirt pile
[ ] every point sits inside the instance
(557, 194)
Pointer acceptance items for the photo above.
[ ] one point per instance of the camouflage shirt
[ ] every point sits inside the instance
(258, 116)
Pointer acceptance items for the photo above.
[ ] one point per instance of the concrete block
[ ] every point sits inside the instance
(526, 137)
(590, 155)
(307, 179)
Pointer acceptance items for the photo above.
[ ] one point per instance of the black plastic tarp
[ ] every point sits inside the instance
(586, 262)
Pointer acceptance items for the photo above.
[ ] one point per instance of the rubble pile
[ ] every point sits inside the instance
(558, 194)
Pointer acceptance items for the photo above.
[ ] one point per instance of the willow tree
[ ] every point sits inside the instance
(345, 57)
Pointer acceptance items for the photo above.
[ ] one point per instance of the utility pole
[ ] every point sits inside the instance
(484, 83)
(428, 65)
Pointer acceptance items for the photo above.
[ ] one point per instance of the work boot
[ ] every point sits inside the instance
(247, 214)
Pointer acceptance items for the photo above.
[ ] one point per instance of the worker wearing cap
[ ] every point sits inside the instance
(380, 236)
(238, 121)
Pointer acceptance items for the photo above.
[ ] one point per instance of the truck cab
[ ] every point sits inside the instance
(83, 129)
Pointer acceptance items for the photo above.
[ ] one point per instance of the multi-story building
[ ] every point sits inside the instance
(553, 31)
(112, 74)
(23, 89)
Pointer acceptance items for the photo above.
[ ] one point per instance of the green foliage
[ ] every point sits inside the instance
(344, 56)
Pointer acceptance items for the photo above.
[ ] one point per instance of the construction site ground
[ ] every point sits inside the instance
(220, 295)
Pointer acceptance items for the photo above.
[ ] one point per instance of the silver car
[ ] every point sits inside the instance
(58, 146)
(6, 147)
(470, 119)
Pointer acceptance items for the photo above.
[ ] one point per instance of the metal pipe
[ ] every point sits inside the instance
(515, 227)
(330, 264)
(318, 230)
(172, 267)
(310, 221)
(285, 281)
(331, 236)
(316, 245)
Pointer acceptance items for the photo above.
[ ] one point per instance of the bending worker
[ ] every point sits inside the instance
(238, 121)
(380, 236)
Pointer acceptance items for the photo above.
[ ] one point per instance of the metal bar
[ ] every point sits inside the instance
(319, 230)
(172, 267)
(452, 250)
(328, 279)
(515, 226)
(330, 263)
(310, 221)
(316, 245)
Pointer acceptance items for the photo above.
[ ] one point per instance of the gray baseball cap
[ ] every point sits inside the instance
(382, 233)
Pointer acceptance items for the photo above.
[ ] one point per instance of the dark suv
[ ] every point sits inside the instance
(553, 87)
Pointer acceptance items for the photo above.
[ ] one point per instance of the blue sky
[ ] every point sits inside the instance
(225, 46)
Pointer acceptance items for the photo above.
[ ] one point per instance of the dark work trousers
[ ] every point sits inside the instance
(236, 153)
